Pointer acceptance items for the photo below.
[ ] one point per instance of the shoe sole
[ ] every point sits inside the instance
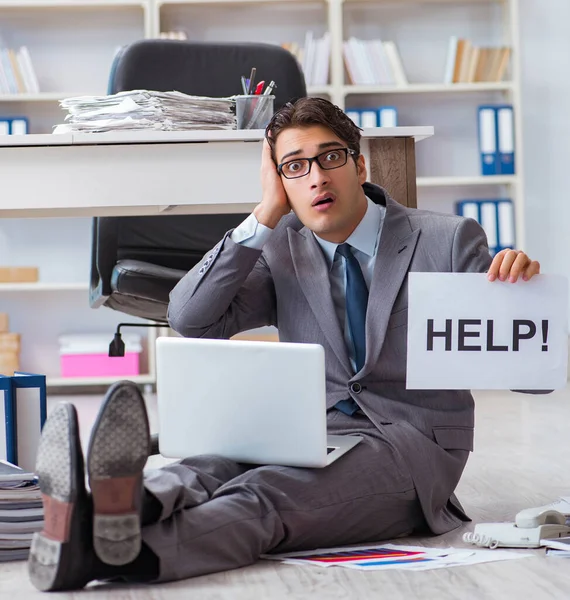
(118, 451)
(56, 466)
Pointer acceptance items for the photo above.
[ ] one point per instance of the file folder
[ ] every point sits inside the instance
(7, 429)
(19, 126)
(4, 126)
(506, 140)
(506, 220)
(387, 116)
(29, 401)
(488, 140)
(368, 118)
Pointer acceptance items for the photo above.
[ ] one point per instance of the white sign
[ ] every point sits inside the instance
(466, 332)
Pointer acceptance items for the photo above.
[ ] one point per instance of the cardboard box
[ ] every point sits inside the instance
(9, 362)
(10, 342)
(18, 274)
(4, 323)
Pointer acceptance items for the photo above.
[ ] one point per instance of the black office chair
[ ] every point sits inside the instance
(136, 261)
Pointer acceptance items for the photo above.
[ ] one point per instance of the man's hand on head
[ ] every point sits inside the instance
(274, 202)
(510, 265)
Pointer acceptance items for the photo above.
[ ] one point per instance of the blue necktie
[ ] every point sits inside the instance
(356, 303)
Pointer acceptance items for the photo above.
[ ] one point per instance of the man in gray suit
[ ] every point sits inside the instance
(324, 257)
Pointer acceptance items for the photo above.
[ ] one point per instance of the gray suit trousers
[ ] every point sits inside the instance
(219, 515)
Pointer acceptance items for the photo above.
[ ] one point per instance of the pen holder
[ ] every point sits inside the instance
(254, 112)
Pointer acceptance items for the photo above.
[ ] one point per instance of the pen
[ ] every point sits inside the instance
(259, 88)
(244, 84)
(251, 81)
(269, 88)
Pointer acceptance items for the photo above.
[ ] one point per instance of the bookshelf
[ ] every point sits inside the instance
(448, 166)
(72, 43)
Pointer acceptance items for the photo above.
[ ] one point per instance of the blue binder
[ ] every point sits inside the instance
(30, 408)
(506, 139)
(387, 116)
(19, 126)
(487, 129)
(14, 126)
(496, 217)
(7, 424)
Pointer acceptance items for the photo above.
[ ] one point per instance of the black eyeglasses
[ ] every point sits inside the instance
(328, 160)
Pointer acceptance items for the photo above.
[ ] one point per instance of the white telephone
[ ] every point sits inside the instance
(531, 527)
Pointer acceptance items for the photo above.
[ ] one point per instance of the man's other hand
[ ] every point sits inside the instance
(509, 265)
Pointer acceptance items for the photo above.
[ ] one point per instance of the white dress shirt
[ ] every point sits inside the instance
(364, 241)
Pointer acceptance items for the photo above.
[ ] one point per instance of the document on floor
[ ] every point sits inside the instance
(392, 556)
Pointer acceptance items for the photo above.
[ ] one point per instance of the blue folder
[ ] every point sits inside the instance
(7, 421)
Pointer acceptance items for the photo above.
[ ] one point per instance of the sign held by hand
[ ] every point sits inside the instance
(465, 332)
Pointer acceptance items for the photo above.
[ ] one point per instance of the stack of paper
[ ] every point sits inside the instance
(143, 109)
(21, 512)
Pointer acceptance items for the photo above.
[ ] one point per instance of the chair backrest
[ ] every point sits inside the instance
(197, 68)
(205, 68)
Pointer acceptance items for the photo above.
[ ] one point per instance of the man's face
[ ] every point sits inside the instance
(329, 202)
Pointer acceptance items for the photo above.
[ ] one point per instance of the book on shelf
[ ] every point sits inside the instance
(467, 63)
(17, 73)
(313, 56)
(373, 62)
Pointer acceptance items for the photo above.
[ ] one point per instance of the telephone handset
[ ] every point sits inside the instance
(531, 526)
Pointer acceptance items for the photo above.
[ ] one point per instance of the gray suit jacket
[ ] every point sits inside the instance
(287, 285)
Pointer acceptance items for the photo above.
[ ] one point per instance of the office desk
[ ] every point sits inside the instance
(154, 172)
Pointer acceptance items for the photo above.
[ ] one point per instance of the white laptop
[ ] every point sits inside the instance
(253, 402)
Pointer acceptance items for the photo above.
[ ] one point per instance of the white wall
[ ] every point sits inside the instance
(545, 62)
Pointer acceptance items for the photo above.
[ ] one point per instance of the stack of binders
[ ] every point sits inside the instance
(497, 139)
(497, 219)
(383, 116)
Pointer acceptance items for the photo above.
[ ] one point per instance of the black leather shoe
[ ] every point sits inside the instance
(61, 555)
(118, 451)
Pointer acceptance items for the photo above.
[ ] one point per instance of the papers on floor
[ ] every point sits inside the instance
(392, 556)
(143, 109)
(21, 512)
(559, 547)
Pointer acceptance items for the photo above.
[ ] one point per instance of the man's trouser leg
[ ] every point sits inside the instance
(218, 515)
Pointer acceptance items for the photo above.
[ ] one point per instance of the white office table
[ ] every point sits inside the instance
(155, 172)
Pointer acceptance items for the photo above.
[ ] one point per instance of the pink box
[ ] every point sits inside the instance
(87, 355)
(99, 365)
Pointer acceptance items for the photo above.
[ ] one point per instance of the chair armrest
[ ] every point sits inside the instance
(144, 280)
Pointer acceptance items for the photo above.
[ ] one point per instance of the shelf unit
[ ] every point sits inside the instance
(43, 287)
(72, 44)
(480, 180)
(449, 163)
(39, 341)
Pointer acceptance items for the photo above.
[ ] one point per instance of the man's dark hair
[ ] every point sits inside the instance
(306, 112)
